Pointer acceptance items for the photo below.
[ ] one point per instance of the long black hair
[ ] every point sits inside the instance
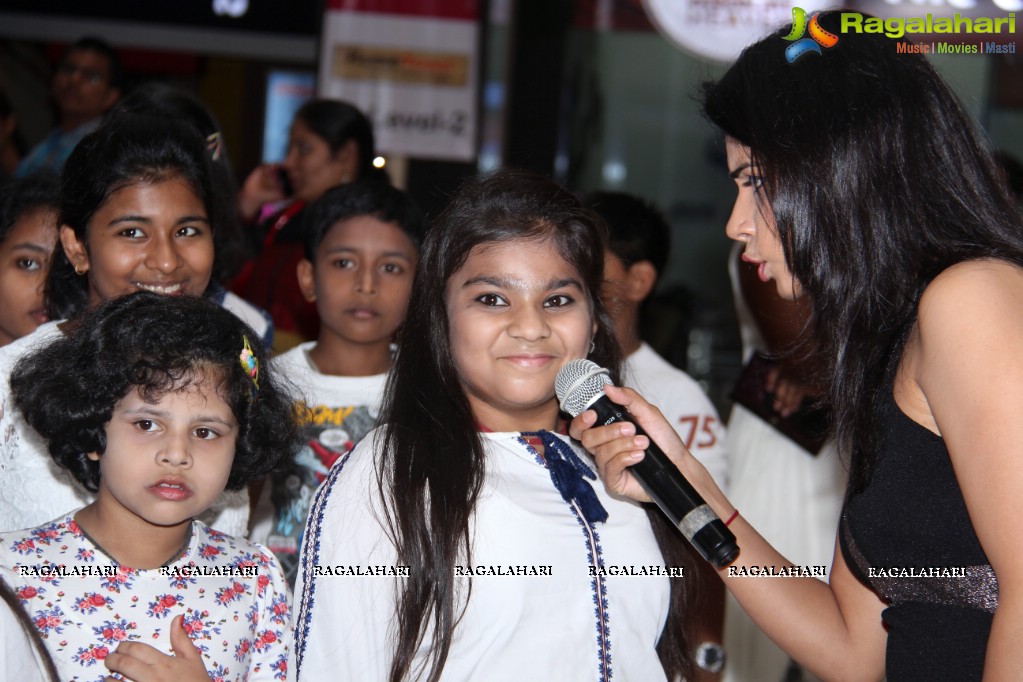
(878, 181)
(433, 460)
(128, 149)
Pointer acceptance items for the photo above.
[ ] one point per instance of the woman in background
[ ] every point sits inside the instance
(331, 143)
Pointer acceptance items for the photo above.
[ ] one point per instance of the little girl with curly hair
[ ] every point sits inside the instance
(156, 404)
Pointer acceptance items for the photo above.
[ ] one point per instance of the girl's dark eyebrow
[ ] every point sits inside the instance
(508, 283)
(500, 282)
(164, 414)
(31, 246)
(130, 219)
(570, 282)
(742, 166)
(385, 254)
(148, 220)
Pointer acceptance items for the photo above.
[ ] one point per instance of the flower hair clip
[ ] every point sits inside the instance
(250, 364)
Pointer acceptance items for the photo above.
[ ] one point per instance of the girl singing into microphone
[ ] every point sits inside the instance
(467, 538)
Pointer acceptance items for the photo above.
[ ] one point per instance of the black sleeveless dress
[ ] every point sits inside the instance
(911, 520)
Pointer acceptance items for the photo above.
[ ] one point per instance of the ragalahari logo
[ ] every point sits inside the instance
(818, 36)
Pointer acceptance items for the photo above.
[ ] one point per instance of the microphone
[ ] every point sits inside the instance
(580, 387)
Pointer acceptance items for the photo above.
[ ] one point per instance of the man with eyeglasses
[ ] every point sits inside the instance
(86, 84)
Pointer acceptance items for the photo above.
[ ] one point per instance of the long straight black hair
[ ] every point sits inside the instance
(433, 460)
(878, 181)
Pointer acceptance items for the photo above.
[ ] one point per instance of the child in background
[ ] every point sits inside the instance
(639, 246)
(793, 496)
(361, 247)
(637, 253)
(330, 143)
(156, 404)
(138, 212)
(468, 471)
(28, 233)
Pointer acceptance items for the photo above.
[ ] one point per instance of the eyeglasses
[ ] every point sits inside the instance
(91, 76)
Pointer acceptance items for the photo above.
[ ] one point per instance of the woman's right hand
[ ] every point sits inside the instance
(261, 187)
(616, 447)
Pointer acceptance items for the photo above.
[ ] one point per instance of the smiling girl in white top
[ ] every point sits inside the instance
(514, 551)
(138, 212)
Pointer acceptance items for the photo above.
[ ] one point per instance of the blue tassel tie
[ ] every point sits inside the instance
(569, 474)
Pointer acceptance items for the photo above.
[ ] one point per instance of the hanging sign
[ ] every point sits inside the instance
(411, 66)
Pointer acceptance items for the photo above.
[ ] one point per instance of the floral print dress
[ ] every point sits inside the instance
(231, 592)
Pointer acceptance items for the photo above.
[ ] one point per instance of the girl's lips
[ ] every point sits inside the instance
(39, 315)
(530, 361)
(170, 490)
(363, 313)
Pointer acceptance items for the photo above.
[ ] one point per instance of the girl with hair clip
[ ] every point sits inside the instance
(865, 188)
(160, 99)
(138, 212)
(512, 553)
(156, 404)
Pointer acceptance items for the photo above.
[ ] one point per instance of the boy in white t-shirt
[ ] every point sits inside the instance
(639, 245)
(361, 246)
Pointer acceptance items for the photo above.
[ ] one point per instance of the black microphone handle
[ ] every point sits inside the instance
(675, 496)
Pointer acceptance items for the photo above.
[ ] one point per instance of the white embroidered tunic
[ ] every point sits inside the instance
(549, 600)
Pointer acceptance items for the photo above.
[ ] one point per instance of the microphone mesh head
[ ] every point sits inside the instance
(578, 383)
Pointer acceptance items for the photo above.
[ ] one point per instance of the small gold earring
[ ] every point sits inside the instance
(80, 272)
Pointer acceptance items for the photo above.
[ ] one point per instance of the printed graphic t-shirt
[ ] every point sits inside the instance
(334, 413)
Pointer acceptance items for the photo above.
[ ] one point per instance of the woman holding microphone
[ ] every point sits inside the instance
(864, 188)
